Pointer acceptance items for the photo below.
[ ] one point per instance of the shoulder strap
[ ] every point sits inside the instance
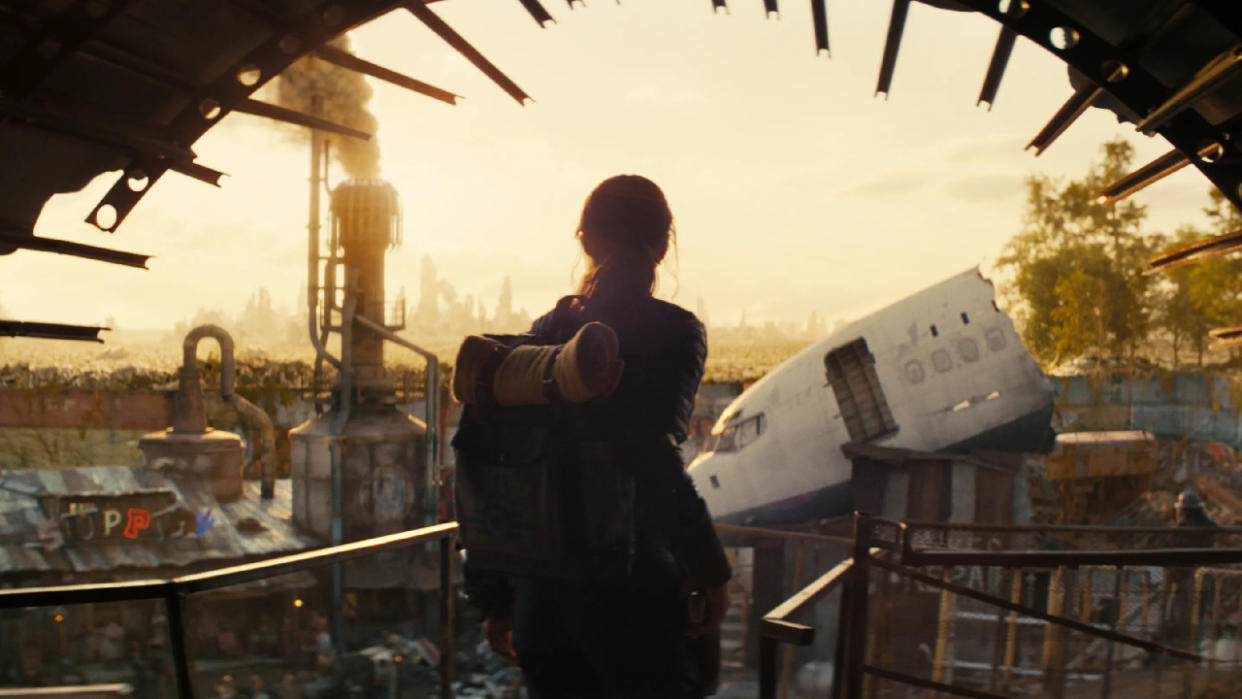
(561, 323)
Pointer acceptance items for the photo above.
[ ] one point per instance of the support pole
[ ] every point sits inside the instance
(446, 619)
(174, 609)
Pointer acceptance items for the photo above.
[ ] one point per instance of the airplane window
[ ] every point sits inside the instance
(995, 339)
(914, 371)
(726, 440)
(968, 349)
(737, 436)
(715, 482)
(750, 430)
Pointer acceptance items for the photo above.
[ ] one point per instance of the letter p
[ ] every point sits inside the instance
(138, 520)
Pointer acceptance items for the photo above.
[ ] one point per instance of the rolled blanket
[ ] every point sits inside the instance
(586, 367)
(590, 365)
(472, 359)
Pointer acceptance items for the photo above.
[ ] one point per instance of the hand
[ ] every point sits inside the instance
(717, 604)
(499, 634)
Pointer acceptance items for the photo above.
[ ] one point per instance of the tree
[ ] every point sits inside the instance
(1078, 286)
(1207, 294)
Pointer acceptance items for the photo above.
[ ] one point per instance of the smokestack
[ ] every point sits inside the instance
(343, 95)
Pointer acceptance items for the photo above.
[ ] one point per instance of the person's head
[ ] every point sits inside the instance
(625, 230)
(1187, 501)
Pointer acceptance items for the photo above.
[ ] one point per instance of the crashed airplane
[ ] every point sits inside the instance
(942, 370)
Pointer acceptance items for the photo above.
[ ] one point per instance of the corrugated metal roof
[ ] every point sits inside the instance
(248, 528)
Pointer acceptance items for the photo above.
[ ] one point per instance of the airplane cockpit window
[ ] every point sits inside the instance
(749, 430)
(738, 435)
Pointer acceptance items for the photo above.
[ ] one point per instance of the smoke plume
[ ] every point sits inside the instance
(344, 95)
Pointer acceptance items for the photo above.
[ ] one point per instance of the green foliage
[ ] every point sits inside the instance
(1207, 294)
(1078, 282)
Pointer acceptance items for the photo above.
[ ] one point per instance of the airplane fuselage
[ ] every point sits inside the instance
(942, 370)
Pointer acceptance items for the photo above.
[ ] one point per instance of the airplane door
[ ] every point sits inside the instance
(851, 373)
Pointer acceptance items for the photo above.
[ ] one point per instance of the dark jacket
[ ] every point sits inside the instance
(664, 348)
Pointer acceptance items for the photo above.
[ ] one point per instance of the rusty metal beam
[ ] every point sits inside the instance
(819, 17)
(538, 12)
(1053, 559)
(62, 35)
(80, 127)
(452, 38)
(65, 247)
(51, 331)
(1206, 81)
(1225, 337)
(349, 61)
(1202, 250)
(996, 67)
(896, 25)
(289, 116)
(1066, 115)
(1150, 173)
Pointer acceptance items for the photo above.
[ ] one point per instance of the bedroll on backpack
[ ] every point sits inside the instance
(540, 492)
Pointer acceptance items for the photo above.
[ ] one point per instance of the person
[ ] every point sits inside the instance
(1192, 517)
(634, 637)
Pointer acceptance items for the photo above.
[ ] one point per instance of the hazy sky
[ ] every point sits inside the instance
(793, 188)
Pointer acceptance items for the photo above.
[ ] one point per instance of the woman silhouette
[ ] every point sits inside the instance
(636, 637)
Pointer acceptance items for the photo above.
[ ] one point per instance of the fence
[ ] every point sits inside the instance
(989, 611)
(174, 592)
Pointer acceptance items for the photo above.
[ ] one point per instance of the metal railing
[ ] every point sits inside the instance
(174, 591)
(898, 548)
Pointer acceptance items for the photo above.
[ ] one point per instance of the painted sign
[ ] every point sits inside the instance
(133, 523)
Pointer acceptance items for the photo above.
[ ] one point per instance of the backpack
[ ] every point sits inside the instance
(539, 489)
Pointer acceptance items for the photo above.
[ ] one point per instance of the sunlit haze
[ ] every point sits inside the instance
(794, 188)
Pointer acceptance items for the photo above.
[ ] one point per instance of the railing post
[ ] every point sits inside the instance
(859, 580)
(446, 618)
(174, 610)
(1119, 610)
(767, 667)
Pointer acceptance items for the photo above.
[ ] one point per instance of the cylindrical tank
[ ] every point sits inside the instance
(380, 452)
(383, 456)
(365, 224)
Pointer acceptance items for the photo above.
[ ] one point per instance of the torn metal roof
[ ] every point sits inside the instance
(90, 86)
(35, 534)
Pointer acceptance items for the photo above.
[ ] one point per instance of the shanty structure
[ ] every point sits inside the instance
(88, 86)
(93, 523)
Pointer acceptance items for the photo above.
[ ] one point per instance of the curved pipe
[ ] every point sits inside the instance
(190, 390)
(189, 350)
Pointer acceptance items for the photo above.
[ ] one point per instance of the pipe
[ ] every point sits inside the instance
(336, 459)
(267, 457)
(431, 390)
(312, 230)
(189, 417)
(190, 405)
